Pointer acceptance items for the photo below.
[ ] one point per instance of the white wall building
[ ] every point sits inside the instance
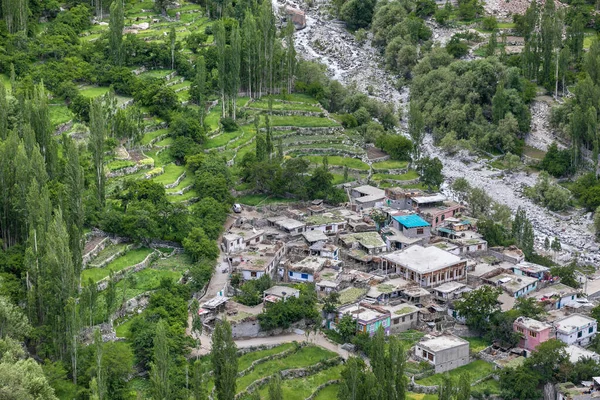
(576, 329)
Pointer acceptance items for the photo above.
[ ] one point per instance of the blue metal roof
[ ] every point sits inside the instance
(411, 221)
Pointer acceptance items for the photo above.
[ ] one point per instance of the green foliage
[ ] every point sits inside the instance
(548, 193)
(566, 274)
(430, 170)
(224, 361)
(358, 14)
(397, 146)
(519, 383)
(284, 313)
(252, 291)
(478, 306)
(199, 246)
(556, 162)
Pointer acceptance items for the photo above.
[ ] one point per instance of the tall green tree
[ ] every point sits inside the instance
(115, 38)
(96, 144)
(224, 361)
(275, 391)
(250, 47)
(235, 65)
(161, 364)
(478, 306)
(198, 387)
(100, 373)
(416, 127)
(16, 14)
(220, 41)
(172, 43)
(73, 178)
(198, 89)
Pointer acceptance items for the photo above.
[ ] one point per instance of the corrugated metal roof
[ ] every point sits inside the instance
(411, 221)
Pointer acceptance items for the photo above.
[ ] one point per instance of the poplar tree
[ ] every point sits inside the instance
(159, 369)
(116, 24)
(198, 90)
(198, 387)
(172, 42)
(97, 138)
(3, 112)
(250, 48)
(220, 41)
(224, 361)
(100, 373)
(235, 64)
(15, 14)
(290, 55)
(275, 392)
(492, 44)
(416, 127)
(73, 179)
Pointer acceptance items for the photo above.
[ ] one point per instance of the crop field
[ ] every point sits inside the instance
(128, 259)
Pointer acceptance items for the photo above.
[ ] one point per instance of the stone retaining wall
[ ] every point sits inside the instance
(322, 150)
(321, 387)
(399, 182)
(102, 284)
(177, 182)
(288, 113)
(321, 129)
(129, 170)
(271, 357)
(112, 258)
(94, 252)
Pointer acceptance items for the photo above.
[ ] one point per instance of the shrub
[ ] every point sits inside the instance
(229, 125)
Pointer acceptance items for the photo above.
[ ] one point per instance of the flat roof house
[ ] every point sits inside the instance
(556, 296)
(288, 225)
(387, 290)
(445, 352)
(577, 354)
(278, 293)
(450, 291)
(404, 317)
(368, 318)
(367, 196)
(236, 240)
(576, 329)
(532, 270)
(515, 285)
(324, 249)
(428, 266)
(533, 332)
(306, 269)
(328, 223)
(369, 242)
(260, 260)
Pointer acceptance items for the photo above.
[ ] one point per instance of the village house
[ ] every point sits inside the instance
(416, 295)
(532, 332)
(404, 316)
(236, 240)
(328, 280)
(258, 260)
(278, 293)
(312, 237)
(406, 230)
(399, 198)
(577, 353)
(556, 296)
(387, 290)
(368, 318)
(324, 249)
(435, 209)
(367, 196)
(328, 223)
(515, 285)
(368, 242)
(450, 291)
(532, 270)
(445, 352)
(428, 266)
(288, 225)
(306, 269)
(576, 329)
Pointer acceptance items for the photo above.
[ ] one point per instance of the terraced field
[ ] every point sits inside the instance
(128, 259)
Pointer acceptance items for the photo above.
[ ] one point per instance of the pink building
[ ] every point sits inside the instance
(533, 332)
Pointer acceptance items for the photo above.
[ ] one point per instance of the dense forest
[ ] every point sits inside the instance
(60, 177)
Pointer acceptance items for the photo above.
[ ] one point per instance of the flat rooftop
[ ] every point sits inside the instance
(309, 264)
(440, 343)
(325, 219)
(516, 282)
(573, 322)
(577, 353)
(401, 309)
(368, 190)
(557, 290)
(411, 221)
(362, 313)
(369, 240)
(423, 259)
(282, 291)
(286, 223)
(530, 267)
(437, 198)
(314, 236)
(532, 324)
(449, 287)
(390, 286)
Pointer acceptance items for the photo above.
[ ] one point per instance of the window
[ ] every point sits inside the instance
(591, 329)
(257, 239)
(430, 356)
(419, 231)
(451, 274)
(443, 217)
(411, 316)
(328, 228)
(304, 276)
(519, 329)
(433, 279)
(436, 220)
(290, 273)
(479, 247)
(253, 274)
(396, 321)
(532, 334)
(579, 334)
(403, 319)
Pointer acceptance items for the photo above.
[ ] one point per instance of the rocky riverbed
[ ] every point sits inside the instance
(326, 40)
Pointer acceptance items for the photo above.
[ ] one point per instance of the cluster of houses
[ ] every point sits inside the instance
(401, 259)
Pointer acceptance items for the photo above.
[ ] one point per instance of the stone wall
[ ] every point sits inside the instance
(103, 284)
(111, 258)
(177, 181)
(94, 252)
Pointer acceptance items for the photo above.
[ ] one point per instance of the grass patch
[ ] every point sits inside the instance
(123, 329)
(304, 357)
(277, 105)
(190, 194)
(301, 388)
(410, 175)
(93, 91)
(349, 162)
(297, 97)
(328, 393)
(128, 259)
(222, 139)
(156, 73)
(165, 142)
(247, 359)
(533, 152)
(59, 114)
(390, 164)
(119, 164)
(185, 182)
(302, 121)
(491, 386)
(476, 370)
(150, 136)
(506, 25)
(256, 199)
(420, 396)
(107, 252)
(213, 117)
(172, 172)
(476, 344)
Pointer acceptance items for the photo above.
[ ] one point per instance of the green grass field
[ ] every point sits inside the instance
(490, 386)
(349, 162)
(421, 396)
(476, 344)
(329, 393)
(410, 175)
(128, 259)
(119, 164)
(60, 114)
(165, 142)
(302, 121)
(156, 73)
(301, 388)
(390, 164)
(247, 359)
(476, 370)
(93, 91)
(223, 139)
(185, 182)
(213, 117)
(277, 105)
(107, 252)
(150, 136)
(304, 357)
(172, 172)
(184, 197)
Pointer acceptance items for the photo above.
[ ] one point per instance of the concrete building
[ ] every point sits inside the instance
(367, 196)
(428, 266)
(236, 240)
(576, 329)
(444, 352)
(387, 290)
(368, 242)
(288, 225)
(532, 270)
(515, 285)
(258, 260)
(399, 198)
(435, 209)
(368, 318)
(412, 226)
(325, 250)
(328, 223)
(450, 291)
(404, 317)
(533, 332)
(305, 270)
(556, 296)
(577, 353)
(312, 237)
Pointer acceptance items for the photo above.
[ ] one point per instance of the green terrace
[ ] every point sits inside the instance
(477, 369)
(119, 164)
(353, 163)
(279, 106)
(130, 258)
(305, 149)
(302, 121)
(168, 141)
(150, 136)
(390, 164)
(59, 114)
(189, 195)
(156, 73)
(301, 388)
(247, 359)
(408, 176)
(222, 139)
(185, 182)
(106, 253)
(172, 172)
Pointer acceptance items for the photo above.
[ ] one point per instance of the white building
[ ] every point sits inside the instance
(576, 329)
(577, 353)
(444, 352)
